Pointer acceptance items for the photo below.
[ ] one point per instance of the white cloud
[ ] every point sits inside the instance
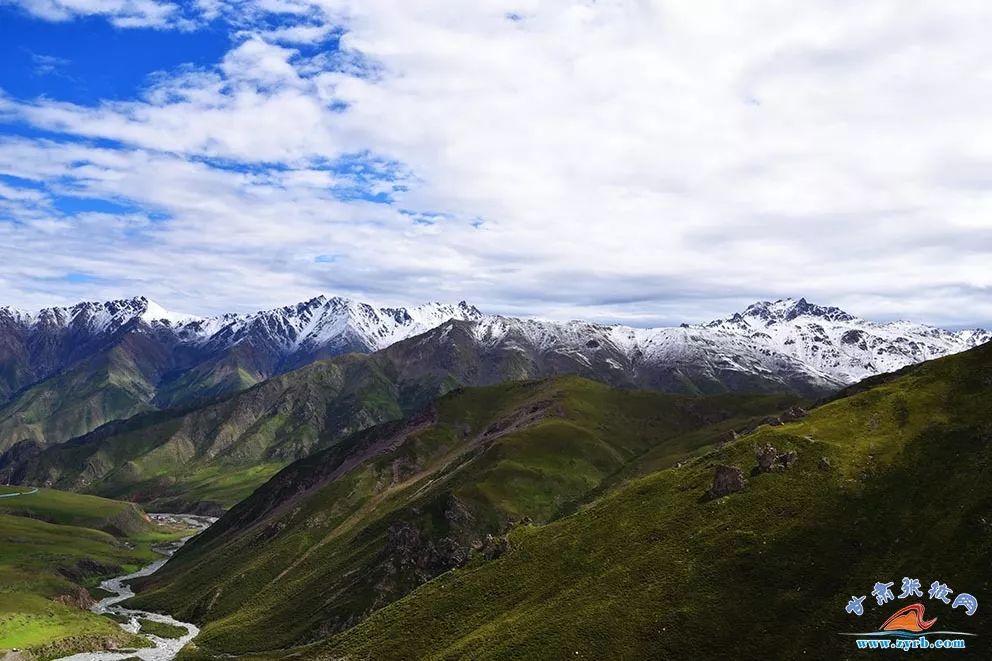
(632, 160)
(122, 13)
(45, 65)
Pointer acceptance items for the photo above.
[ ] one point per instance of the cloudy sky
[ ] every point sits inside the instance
(630, 160)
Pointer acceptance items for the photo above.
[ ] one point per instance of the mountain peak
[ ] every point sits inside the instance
(155, 312)
(787, 309)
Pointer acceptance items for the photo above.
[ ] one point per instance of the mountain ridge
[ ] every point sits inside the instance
(64, 371)
(399, 503)
(322, 318)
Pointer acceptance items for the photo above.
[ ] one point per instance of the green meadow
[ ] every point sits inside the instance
(55, 548)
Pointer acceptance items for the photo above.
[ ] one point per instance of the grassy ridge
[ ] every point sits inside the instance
(74, 509)
(54, 548)
(344, 532)
(652, 571)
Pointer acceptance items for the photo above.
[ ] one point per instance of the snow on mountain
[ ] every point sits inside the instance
(307, 325)
(324, 322)
(824, 345)
(836, 343)
(117, 358)
(92, 316)
(155, 312)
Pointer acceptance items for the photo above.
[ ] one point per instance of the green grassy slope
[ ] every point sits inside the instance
(54, 548)
(346, 531)
(232, 371)
(219, 452)
(109, 386)
(72, 509)
(652, 570)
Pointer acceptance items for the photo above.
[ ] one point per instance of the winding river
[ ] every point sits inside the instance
(19, 493)
(163, 649)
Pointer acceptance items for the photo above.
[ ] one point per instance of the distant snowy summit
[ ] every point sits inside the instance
(841, 345)
(803, 346)
(822, 345)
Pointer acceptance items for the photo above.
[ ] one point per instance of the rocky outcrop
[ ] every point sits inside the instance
(408, 548)
(492, 547)
(794, 413)
(726, 480)
(771, 460)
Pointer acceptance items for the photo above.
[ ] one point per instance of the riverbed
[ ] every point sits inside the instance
(163, 649)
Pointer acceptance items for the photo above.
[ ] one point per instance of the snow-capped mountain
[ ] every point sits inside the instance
(845, 347)
(66, 370)
(92, 316)
(827, 342)
(321, 324)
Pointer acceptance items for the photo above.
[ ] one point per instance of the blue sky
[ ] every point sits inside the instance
(643, 162)
(87, 60)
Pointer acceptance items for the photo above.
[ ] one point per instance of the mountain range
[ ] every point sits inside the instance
(66, 371)
(207, 453)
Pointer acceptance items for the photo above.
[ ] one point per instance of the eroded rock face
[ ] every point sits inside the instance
(12, 461)
(87, 568)
(412, 556)
(727, 480)
(79, 598)
(457, 514)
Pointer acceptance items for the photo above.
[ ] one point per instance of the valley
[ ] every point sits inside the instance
(164, 636)
(507, 486)
(55, 549)
(340, 534)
